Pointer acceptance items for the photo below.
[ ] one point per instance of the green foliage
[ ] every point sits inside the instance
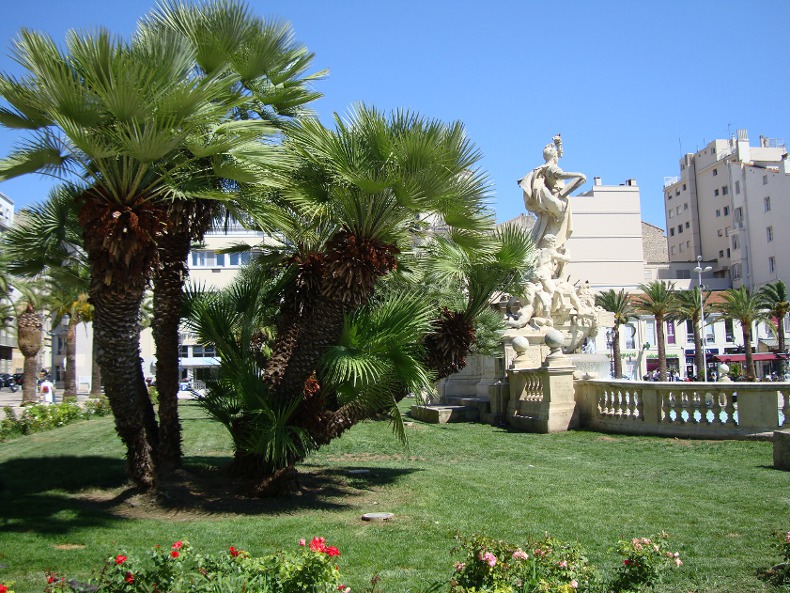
(779, 575)
(644, 562)
(41, 417)
(180, 568)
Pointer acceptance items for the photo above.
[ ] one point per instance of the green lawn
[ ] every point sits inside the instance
(63, 507)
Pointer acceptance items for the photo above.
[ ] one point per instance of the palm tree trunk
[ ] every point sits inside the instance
(699, 351)
(781, 338)
(29, 326)
(70, 382)
(117, 333)
(168, 293)
(29, 383)
(662, 351)
(618, 361)
(747, 348)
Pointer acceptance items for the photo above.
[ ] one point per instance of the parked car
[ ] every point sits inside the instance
(7, 380)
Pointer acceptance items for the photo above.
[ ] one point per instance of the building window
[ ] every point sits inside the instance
(669, 195)
(677, 210)
(686, 206)
(767, 203)
(687, 224)
(208, 259)
(688, 244)
(670, 213)
(728, 252)
(736, 271)
(689, 330)
(710, 336)
(650, 326)
(718, 212)
(772, 264)
(680, 228)
(236, 259)
(677, 192)
(672, 250)
(630, 336)
(769, 234)
(726, 211)
(680, 248)
(670, 333)
(738, 216)
(684, 187)
(737, 187)
(715, 172)
(715, 192)
(721, 252)
(765, 179)
(735, 241)
(672, 232)
(729, 333)
(725, 190)
(720, 232)
(183, 351)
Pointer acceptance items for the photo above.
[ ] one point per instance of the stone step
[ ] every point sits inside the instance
(443, 413)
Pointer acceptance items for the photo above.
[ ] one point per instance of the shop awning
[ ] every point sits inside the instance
(742, 357)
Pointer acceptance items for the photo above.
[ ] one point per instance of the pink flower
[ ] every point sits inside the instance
(302, 542)
(574, 583)
(120, 559)
(459, 566)
(177, 545)
(788, 536)
(318, 544)
(344, 588)
(520, 554)
(489, 559)
(563, 564)
(678, 562)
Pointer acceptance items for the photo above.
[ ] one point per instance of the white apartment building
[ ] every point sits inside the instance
(7, 339)
(729, 205)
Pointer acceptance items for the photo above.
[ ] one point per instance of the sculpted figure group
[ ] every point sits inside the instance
(547, 299)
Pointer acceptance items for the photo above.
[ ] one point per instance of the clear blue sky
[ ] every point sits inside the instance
(628, 84)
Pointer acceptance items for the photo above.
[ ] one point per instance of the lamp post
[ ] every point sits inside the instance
(699, 271)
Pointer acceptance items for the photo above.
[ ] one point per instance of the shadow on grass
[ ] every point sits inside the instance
(56, 495)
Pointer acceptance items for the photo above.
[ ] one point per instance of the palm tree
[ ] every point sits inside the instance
(29, 334)
(777, 301)
(689, 306)
(657, 300)
(620, 304)
(747, 307)
(134, 129)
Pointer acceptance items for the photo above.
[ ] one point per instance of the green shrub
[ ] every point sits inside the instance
(38, 417)
(311, 569)
(779, 575)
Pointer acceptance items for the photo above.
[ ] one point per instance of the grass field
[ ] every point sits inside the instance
(64, 508)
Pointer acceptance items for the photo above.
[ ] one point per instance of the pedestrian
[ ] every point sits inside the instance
(46, 392)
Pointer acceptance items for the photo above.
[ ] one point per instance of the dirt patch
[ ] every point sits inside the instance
(606, 439)
(69, 546)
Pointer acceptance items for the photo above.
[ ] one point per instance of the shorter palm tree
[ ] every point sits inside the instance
(29, 334)
(746, 307)
(620, 304)
(777, 301)
(688, 306)
(657, 300)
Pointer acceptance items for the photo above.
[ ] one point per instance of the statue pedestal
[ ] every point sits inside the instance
(542, 400)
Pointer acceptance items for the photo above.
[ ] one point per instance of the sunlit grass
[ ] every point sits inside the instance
(718, 500)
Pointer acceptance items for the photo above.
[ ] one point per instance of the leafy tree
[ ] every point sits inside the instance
(688, 305)
(619, 303)
(134, 128)
(748, 308)
(657, 299)
(776, 300)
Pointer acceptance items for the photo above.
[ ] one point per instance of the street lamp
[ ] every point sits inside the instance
(699, 271)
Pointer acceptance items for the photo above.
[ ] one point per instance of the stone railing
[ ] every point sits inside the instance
(703, 410)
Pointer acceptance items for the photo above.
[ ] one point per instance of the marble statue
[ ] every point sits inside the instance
(546, 195)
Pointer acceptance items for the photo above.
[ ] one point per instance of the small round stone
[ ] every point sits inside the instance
(554, 339)
(377, 516)
(520, 344)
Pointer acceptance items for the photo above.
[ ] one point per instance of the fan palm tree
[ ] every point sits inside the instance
(688, 306)
(657, 300)
(747, 308)
(777, 301)
(134, 129)
(620, 304)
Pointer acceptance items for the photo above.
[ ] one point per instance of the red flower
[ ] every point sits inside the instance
(331, 551)
(174, 554)
(3, 588)
(51, 579)
(234, 552)
(129, 577)
(318, 544)
(177, 545)
(120, 559)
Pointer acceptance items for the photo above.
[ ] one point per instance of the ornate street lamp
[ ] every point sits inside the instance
(699, 271)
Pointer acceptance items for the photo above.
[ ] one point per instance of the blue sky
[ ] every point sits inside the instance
(630, 85)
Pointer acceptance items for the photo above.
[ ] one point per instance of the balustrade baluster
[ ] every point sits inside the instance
(640, 405)
(729, 409)
(716, 408)
(631, 405)
(786, 408)
(666, 408)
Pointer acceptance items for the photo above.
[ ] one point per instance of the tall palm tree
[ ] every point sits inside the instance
(688, 306)
(657, 299)
(777, 301)
(748, 308)
(620, 304)
(134, 129)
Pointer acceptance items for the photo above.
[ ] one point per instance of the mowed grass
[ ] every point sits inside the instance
(64, 507)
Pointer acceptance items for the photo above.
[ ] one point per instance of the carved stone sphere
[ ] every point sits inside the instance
(554, 339)
(520, 344)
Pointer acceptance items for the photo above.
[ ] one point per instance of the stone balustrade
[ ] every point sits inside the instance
(679, 409)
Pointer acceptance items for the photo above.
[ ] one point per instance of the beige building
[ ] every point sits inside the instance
(726, 206)
(7, 338)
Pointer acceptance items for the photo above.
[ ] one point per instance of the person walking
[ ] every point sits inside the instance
(46, 391)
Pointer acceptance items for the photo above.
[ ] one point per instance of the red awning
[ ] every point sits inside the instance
(742, 357)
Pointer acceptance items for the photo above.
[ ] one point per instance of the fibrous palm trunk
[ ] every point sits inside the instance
(168, 291)
(662, 349)
(70, 382)
(747, 348)
(699, 350)
(29, 326)
(618, 361)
